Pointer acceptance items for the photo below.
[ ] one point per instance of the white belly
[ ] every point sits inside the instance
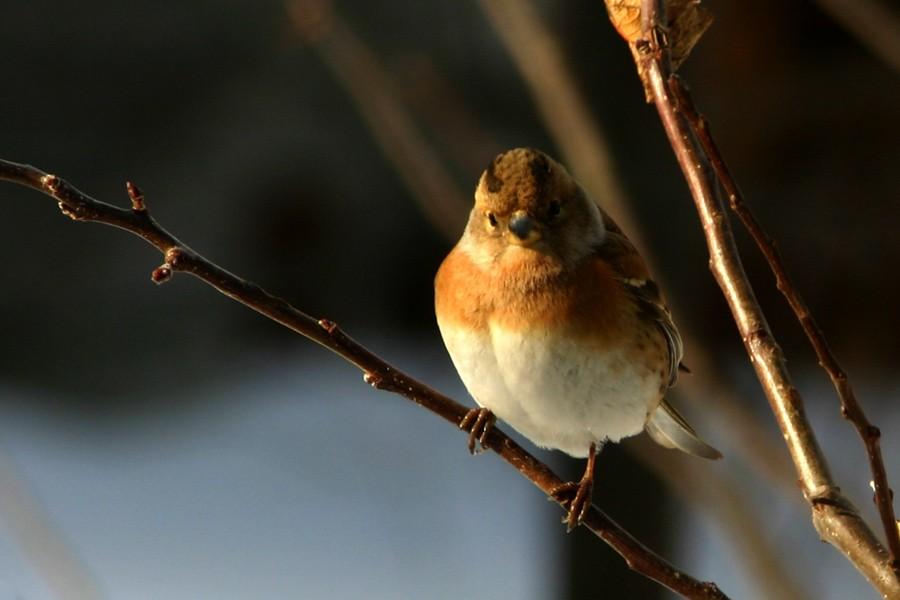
(554, 391)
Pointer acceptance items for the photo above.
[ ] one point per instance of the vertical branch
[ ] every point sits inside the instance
(833, 516)
(851, 409)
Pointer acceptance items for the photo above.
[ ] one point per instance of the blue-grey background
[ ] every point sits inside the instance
(165, 442)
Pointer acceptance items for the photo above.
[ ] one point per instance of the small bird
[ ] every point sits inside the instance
(554, 324)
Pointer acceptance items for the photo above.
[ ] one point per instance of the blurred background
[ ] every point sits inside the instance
(166, 442)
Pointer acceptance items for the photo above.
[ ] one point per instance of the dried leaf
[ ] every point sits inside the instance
(626, 18)
(687, 20)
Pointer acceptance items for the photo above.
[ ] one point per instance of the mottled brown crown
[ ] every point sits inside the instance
(522, 179)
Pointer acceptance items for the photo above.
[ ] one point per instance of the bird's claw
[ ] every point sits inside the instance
(478, 422)
(576, 498)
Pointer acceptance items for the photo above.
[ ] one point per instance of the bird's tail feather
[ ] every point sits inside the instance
(669, 429)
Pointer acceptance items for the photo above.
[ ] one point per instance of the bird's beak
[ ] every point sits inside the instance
(523, 228)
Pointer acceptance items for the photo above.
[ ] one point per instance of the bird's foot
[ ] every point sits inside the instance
(576, 498)
(478, 422)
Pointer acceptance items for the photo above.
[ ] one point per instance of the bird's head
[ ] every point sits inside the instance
(526, 201)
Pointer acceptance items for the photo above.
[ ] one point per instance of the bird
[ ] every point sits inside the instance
(551, 319)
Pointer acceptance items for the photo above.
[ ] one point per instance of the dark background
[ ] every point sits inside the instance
(249, 148)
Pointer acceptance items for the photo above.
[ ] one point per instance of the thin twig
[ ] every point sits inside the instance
(377, 372)
(851, 409)
(833, 516)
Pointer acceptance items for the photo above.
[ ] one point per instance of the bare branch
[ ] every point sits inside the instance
(377, 372)
(833, 516)
(851, 409)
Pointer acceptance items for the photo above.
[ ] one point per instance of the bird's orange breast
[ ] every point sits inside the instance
(525, 289)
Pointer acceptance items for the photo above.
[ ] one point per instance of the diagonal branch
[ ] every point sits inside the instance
(377, 372)
(851, 409)
(833, 516)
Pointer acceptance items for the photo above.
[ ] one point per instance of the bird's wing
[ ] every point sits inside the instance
(669, 429)
(632, 272)
(665, 425)
(650, 303)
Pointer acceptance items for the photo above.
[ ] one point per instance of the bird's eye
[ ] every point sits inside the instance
(553, 209)
(492, 220)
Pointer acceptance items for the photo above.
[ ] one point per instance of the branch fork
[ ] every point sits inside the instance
(833, 515)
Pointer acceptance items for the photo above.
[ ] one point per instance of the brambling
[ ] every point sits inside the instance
(553, 323)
